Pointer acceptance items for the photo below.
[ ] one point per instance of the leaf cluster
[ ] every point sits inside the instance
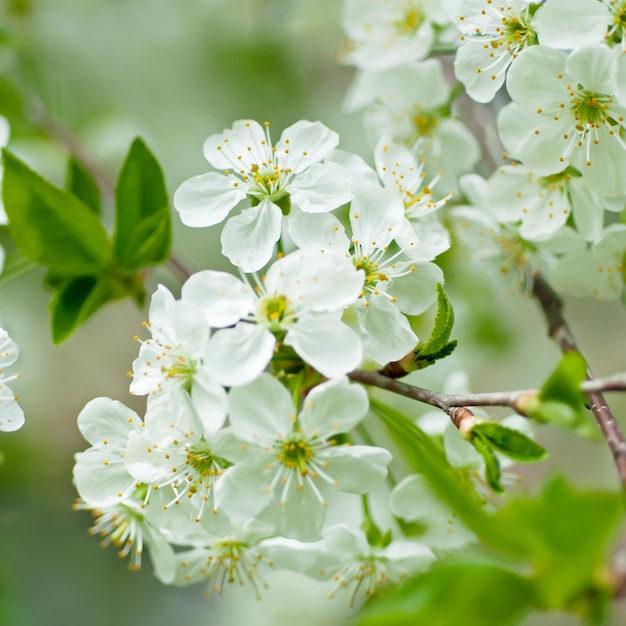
(61, 231)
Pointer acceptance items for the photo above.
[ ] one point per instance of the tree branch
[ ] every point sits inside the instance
(552, 306)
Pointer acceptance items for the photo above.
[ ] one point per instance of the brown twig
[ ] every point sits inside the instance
(552, 307)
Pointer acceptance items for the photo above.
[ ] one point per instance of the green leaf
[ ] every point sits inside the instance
(76, 301)
(492, 465)
(438, 345)
(81, 183)
(14, 266)
(50, 226)
(143, 225)
(510, 442)
(454, 592)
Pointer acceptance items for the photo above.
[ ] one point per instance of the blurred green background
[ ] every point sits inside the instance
(176, 72)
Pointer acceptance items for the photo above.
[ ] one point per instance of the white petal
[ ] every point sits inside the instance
(356, 469)
(248, 239)
(321, 188)
(326, 344)
(105, 422)
(207, 199)
(8, 349)
(333, 407)
(243, 144)
(320, 231)
(417, 291)
(240, 354)
(223, 298)
(305, 143)
(11, 413)
(261, 411)
(387, 335)
(209, 400)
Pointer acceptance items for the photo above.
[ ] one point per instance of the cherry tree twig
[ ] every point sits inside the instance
(552, 307)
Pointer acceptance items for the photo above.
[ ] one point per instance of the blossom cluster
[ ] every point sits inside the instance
(253, 426)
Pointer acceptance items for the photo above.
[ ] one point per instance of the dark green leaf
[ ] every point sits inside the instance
(492, 465)
(454, 592)
(81, 183)
(510, 442)
(50, 226)
(143, 227)
(78, 299)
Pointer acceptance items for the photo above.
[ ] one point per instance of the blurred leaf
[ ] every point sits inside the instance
(454, 592)
(81, 183)
(512, 443)
(492, 465)
(14, 266)
(11, 101)
(437, 346)
(50, 226)
(566, 534)
(143, 225)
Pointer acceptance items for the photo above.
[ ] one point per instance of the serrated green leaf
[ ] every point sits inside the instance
(454, 592)
(563, 385)
(75, 302)
(50, 226)
(511, 443)
(143, 226)
(438, 345)
(82, 184)
(492, 465)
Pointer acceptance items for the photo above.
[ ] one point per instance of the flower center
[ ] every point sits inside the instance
(424, 122)
(590, 109)
(275, 311)
(295, 453)
(182, 368)
(373, 273)
(200, 458)
(410, 22)
(516, 31)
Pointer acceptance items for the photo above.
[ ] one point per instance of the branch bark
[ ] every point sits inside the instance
(552, 308)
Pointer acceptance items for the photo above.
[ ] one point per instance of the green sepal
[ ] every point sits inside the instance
(50, 226)
(142, 220)
(454, 591)
(82, 184)
(492, 465)
(438, 345)
(510, 442)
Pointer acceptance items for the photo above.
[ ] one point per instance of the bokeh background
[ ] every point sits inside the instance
(174, 73)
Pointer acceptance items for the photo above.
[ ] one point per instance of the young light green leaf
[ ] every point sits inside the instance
(454, 592)
(563, 385)
(438, 345)
(11, 101)
(82, 184)
(143, 225)
(50, 226)
(509, 442)
(492, 465)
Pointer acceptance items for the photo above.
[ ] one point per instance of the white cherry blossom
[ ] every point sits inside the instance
(564, 112)
(298, 304)
(11, 413)
(274, 179)
(294, 457)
